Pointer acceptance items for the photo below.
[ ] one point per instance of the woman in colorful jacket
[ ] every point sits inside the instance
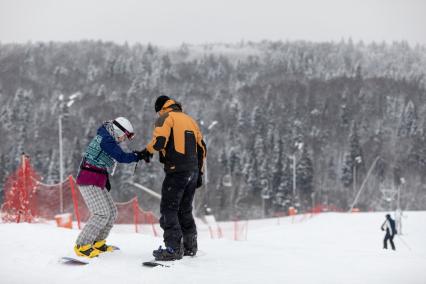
(99, 158)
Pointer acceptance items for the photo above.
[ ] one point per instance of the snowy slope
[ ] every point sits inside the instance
(328, 248)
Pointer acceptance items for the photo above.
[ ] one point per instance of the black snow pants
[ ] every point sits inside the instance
(385, 241)
(177, 195)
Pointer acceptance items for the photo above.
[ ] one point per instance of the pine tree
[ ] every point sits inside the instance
(252, 176)
(332, 175)
(356, 151)
(53, 167)
(3, 170)
(305, 177)
(417, 153)
(347, 172)
(257, 121)
(408, 124)
(277, 162)
(283, 196)
(224, 161)
(354, 160)
(234, 160)
(76, 157)
(19, 120)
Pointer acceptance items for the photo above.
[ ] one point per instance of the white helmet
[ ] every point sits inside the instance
(122, 126)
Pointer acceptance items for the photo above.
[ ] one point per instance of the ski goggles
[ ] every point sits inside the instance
(129, 135)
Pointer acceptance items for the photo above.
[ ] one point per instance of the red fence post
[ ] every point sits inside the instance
(151, 218)
(75, 201)
(211, 232)
(219, 231)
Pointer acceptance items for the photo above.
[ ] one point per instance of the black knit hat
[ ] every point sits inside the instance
(160, 101)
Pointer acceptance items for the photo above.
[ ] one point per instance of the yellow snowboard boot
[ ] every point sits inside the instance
(86, 251)
(101, 246)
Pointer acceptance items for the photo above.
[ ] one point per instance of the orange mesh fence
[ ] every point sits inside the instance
(145, 221)
(49, 202)
(27, 199)
(20, 202)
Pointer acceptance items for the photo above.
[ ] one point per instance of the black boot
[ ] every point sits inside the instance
(190, 245)
(168, 253)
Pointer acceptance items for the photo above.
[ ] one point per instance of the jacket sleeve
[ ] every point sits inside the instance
(110, 146)
(161, 133)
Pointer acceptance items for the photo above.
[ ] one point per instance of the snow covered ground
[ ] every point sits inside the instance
(327, 248)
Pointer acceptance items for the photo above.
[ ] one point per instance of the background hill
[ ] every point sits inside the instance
(347, 103)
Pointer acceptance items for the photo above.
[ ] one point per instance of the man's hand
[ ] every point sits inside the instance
(144, 155)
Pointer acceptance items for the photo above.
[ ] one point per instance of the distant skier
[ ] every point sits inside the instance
(389, 227)
(182, 150)
(93, 180)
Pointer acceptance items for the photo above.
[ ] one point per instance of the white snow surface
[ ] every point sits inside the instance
(327, 248)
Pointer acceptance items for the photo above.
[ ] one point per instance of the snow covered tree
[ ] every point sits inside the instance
(305, 178)
(417, 153)
(408, 124)
(224, 161)
(283, 194)
(257, 121)
(347, 172)
(255, 93)
(277, 162)
(356, 151)
(19, 120)
(234, 160)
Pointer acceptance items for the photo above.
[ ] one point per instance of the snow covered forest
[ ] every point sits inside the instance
(335, 110)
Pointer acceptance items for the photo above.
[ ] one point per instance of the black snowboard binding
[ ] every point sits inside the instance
(190, 245)
(167, 254)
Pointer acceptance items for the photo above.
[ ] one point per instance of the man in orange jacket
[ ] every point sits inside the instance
(182, 150)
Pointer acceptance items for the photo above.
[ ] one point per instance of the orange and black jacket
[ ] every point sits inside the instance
(178, 140)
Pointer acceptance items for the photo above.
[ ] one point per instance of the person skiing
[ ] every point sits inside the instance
(389, 226)
(100, 156)
(182, 150)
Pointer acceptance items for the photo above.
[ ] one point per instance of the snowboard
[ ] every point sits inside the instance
(75, 260)
(79, 260)
(155, 263)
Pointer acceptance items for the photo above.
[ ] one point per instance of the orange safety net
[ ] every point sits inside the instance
(27, 199)
(20, 202)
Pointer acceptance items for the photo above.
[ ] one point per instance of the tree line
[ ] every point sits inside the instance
(286, 123)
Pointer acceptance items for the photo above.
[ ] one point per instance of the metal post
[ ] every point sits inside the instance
(61, 166)
(204, 191)
(363, 183)
(354, 182)
(294, 178)
(205, 166)
(399, 197)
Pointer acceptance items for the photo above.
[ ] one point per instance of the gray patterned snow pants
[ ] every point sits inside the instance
(103, 213)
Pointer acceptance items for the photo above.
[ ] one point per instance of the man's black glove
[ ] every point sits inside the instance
(199, 180)
(108, 184)
(144, 155)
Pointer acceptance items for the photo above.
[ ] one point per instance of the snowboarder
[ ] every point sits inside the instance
(389, 226)
(93, 180)
(182, 150)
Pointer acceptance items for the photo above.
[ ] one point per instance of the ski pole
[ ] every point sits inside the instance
(136, 167)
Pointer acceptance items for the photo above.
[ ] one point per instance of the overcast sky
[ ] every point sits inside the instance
(171, 22)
